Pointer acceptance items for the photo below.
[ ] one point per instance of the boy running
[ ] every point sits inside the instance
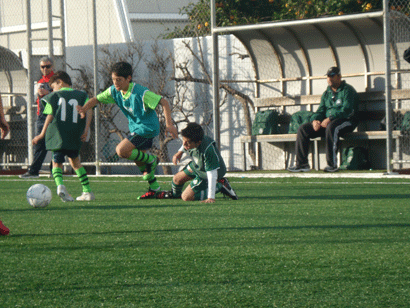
(64, 132)
(206, 170)
(138, 105)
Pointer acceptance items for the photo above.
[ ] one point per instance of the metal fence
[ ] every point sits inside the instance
(399, 38)
(172, 54)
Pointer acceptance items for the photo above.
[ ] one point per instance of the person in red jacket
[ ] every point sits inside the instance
(42, 89)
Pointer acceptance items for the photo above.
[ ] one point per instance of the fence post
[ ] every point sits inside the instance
(387, 41)
(30, 88)
(97, 109)
(215, 77)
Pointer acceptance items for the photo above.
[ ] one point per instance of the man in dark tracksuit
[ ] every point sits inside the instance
(42, 89)
(336, 116)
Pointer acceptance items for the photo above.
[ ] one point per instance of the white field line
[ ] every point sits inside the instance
(166, 178)
(336, 175)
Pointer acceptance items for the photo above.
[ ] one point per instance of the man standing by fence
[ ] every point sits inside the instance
(42, 89)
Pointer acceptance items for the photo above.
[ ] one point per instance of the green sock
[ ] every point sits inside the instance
(137, 155)
(218, 187)
(82, 175)
(153, 184)
(58, 176)
(176, 190)
(201, 195)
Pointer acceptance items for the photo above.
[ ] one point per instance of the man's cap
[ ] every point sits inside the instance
(333, 71)
(406, 55)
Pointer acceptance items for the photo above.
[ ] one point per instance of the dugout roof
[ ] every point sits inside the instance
(292, 57)
(13, 76)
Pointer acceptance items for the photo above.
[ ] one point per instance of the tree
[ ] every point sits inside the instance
(244, 12)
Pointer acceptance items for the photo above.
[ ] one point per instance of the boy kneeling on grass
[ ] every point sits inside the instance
(206, 170)
(65, 131)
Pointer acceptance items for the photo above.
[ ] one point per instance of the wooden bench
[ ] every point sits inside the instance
(367, 99)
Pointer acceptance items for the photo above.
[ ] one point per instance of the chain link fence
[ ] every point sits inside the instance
(400, 41)
(13, 149)
(170, 48)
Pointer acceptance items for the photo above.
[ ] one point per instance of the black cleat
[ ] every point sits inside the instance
(227, 190)
(165, 195)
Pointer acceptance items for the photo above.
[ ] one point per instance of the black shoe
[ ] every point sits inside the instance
(302, 168)
(165, 195)
(331, 169)
(227, 190)
(28, 175)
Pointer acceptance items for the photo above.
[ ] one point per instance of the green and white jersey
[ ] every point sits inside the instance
(138, 105)
(64, 132)
(205, 158)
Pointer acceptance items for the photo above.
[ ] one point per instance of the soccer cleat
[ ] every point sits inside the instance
(86, 196)
(63, 194)
(149, 172)
(150, 194)
(165, 195)
(28, 175)
(302, 168)
(3, 229)
(331, 169)
(227, 190)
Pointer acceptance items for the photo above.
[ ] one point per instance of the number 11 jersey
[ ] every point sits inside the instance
(64, 132)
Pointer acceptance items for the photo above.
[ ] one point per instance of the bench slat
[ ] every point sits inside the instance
(368, 135)
(315, 99)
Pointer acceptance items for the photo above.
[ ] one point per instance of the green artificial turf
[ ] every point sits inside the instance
(291, 242)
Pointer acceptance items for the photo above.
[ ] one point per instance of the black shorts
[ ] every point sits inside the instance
(59, 156)
(140, 143)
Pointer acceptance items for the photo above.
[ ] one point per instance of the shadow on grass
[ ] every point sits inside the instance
(57, 207)
(180, 203)
(330, 197)
(237, 229)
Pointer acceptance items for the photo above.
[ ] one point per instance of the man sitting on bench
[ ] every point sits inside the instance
(335, 116)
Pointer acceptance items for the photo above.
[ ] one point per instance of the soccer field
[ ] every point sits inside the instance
(287, 242)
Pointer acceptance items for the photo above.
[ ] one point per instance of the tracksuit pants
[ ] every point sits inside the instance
(335, 129)
(40, 151)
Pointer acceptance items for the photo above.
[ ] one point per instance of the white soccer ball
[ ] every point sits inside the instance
(39, 195)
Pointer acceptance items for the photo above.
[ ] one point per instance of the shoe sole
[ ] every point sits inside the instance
(63, 197)
(139, 198)
(299, 170)
(88, 199)
(230, 195)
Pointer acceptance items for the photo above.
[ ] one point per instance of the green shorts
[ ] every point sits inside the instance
(199, 183)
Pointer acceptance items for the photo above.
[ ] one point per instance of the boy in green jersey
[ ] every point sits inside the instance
(138, 105)
(64, 132)
(206, 170)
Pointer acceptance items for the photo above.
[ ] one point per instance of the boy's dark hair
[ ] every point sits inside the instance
(63, 76)
(122, 69)
(193, 131)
